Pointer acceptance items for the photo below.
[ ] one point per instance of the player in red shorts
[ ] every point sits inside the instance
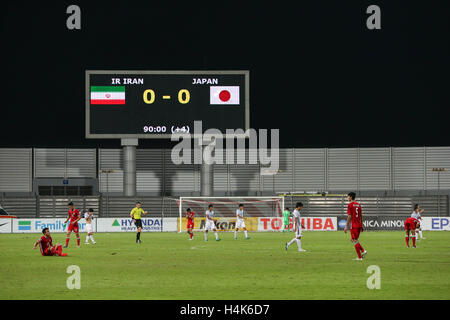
(46, 245)
(354, 212)
(410, 225)
(190, 223)
(74, 216)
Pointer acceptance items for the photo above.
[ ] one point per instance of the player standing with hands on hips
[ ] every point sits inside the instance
(354, 212)
(135, 214)
(286, 224)
(74, 216)
(297, 228)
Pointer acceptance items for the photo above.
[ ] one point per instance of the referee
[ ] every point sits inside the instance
(135, 214)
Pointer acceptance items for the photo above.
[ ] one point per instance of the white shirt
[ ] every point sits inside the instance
(415, 215)
(296, 215)
(209, 214)
(86, 216)
(240, 213)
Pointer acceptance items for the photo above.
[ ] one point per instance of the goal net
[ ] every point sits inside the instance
(225, 210)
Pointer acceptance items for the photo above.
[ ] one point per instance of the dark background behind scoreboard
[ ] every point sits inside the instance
(316, 72)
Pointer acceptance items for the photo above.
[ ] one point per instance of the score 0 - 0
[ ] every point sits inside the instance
(149, 96)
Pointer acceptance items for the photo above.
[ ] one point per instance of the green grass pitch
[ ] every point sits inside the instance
(168, 266)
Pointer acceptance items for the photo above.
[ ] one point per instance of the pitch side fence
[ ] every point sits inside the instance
(56, 207)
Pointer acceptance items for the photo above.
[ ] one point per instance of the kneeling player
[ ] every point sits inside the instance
(210, 225)
(297, 228)
(46, 246)
(190, 223)
(240, 224)
(410, 226)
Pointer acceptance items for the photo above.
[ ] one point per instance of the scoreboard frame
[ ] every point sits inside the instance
(89, 135)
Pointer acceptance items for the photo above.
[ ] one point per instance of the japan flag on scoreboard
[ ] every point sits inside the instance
(224, 95)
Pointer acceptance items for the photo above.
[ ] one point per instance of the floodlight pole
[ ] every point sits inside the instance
(129, 166)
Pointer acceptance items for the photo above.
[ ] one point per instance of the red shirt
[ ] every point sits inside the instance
(45, 244)
(411, 220)
(74, 215)
(190, 216)
(354, 210)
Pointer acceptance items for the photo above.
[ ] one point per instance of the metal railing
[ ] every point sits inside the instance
(56, 206)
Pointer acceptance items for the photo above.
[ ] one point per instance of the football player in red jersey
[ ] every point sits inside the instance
(46, 245)
(74, 216)
(410, 226)
(354, 212)
(190, 223)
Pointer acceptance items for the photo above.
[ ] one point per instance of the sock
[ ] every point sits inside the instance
(67, 241)
(299, 244)
(291, 242)
(191, 234)
(78, 240)
(357, 251)
(407, 240)
(139, 236)
(245, 232)
(206, 236)
(87, 239)
(92, 238)
(216, 234)
(59, 250)
(360, 247)
(414, 240)
(235, 234)
(420, 234)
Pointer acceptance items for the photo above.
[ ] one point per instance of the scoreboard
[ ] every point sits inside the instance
(155, 104)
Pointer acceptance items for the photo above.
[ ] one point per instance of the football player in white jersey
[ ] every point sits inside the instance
(89, 216)
(210, 225)
(297, 228)
(240, 224)
(417, 215)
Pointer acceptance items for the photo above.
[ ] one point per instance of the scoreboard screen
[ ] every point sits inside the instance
(155, 104)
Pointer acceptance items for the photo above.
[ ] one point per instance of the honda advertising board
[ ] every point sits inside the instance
(127, 225)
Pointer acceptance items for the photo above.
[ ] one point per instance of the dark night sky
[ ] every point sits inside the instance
(316, 72)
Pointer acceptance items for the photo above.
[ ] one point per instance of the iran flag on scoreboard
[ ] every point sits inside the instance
(108, 95)
(224, 95)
